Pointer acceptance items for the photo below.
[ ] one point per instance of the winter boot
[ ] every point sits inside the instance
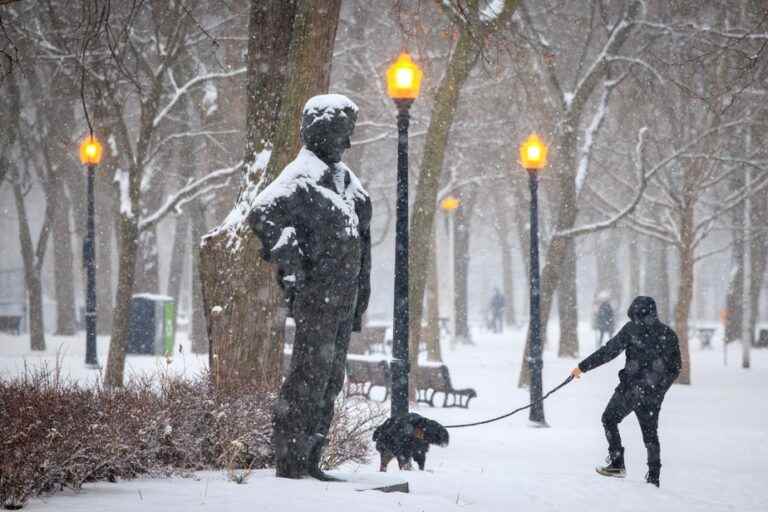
(615, 467)
(315, 447)
(652, 477)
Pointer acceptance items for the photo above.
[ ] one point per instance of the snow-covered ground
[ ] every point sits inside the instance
(714, 438)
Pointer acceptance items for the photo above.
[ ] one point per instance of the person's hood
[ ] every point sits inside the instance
(643, 310)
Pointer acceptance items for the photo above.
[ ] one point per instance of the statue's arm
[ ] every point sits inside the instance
(274, 225)
(364, 279)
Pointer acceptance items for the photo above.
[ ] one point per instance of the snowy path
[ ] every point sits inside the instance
(714, 438)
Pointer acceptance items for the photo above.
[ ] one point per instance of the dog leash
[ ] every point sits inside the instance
(507, 415)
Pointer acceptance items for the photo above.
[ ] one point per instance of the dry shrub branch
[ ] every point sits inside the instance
(58, 433)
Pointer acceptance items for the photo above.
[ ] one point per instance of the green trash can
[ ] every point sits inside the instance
(152, 324)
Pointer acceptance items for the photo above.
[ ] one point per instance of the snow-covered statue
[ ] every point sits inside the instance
(314, 223)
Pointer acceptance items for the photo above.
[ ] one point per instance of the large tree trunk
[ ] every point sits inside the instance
(127, 255)
(63, 267)
(685, 291)
(567, 303)
(290, 43)
(31, 269)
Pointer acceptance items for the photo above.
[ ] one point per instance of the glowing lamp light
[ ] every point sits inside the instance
(403, 79)
(90, 151)
(533, 153)
(449, 204)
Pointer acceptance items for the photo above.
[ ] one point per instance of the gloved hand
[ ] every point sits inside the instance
(576, 373)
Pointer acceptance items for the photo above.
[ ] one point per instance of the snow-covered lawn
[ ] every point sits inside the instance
(714, 439)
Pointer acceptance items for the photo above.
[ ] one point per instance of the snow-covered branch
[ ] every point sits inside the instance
(188, 193)
(585, 151)
(181, 91)
(608, 223)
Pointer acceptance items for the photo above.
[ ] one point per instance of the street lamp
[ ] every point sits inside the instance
(533, 157)
(449, 205)
(403, 83)
(90, 155)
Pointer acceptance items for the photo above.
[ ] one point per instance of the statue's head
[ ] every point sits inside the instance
(327, 124)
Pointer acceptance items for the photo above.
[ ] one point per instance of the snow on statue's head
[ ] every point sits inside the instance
(327, 124)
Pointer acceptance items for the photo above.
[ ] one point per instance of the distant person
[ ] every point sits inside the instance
(604, 318)
(497, 311)
(652, 365)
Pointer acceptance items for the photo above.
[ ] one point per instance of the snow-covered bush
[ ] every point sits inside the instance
(58, 434)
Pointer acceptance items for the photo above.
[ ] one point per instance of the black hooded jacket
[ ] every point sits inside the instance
(653, 354)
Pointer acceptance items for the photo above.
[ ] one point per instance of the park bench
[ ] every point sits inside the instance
(363, 375)
(432, 379)
(11, 317)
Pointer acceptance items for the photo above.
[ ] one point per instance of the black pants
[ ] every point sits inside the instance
(647, 411)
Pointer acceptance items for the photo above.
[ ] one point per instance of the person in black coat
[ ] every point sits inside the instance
(313, 221)
(497, 311)
(604, 319)
(652, 365)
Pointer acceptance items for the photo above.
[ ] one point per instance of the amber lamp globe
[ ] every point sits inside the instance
(90, 151)
(403, 79)
(533, 153)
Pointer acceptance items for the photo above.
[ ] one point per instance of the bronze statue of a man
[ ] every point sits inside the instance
(314, 223)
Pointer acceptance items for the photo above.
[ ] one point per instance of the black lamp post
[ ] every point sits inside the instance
(533, 157)
(403, 81)
(90, 155)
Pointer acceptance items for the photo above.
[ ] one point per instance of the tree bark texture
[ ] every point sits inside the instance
(288, 63)
(31, 271)
(127, 255)
(685, 290)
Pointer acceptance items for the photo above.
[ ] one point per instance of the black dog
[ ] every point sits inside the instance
(408, 437)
